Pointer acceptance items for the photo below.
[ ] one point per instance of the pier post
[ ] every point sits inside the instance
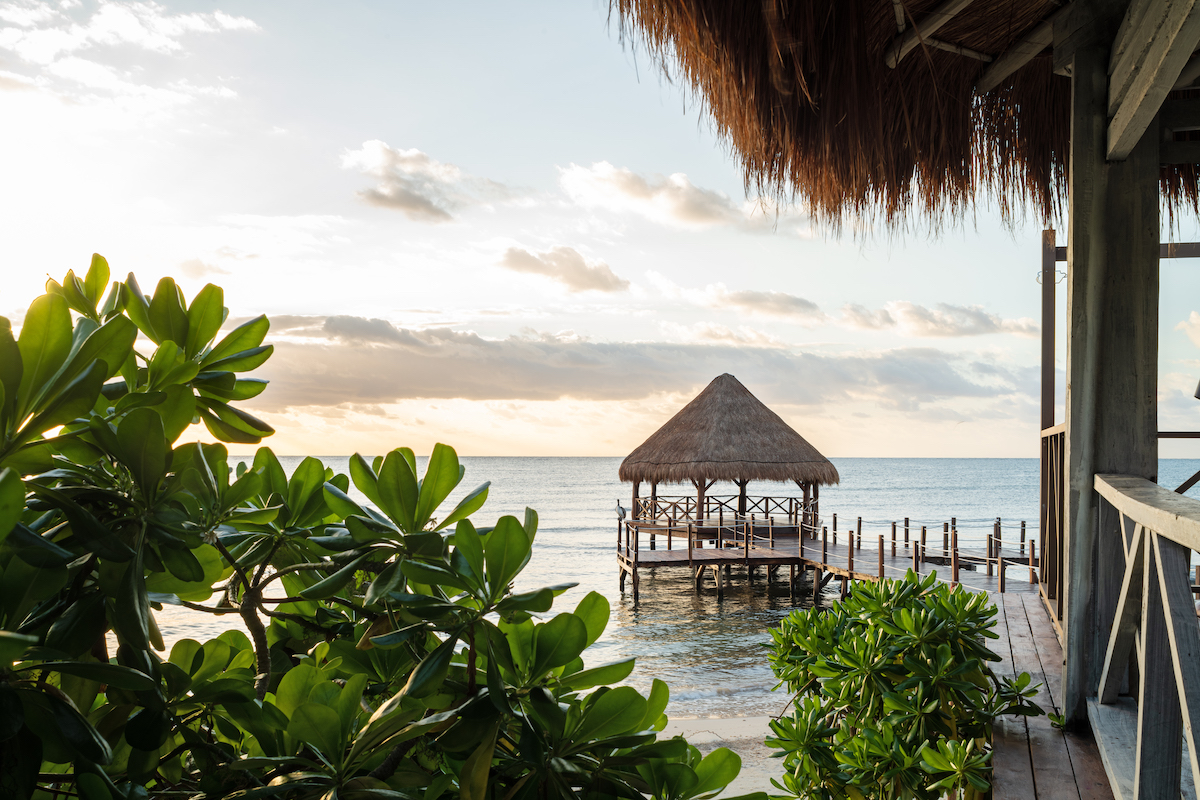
(850, 558)
(824, 546)
(922, 544)
(1022, 537)
(916, 565)
(999, 538)
(946, 539)
(881, 556)
(906, 533)
(893, 538)
(954, 554)
(691, 537)
(1032, 574)
(1000, 566)
(835, 529)
(858, 534)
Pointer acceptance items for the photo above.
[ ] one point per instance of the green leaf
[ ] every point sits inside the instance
(391, 579)
(398, 491)
(365, 479)
(602, 675)
(431, 672)
(96, 279)
(177, 410)
(132, 619)
(340, 503)
(618, 711)
(507, 551)
(473, 779)
(656, 704)
(13, 645)
(717, 770)
(594, 610)
(441, 476)
(319, 727)
(224, 431)
(75, 401)
(244, 361)
(431, 574)
(204, 317)
(557, 642)
(65, 721)
(468, 542)
(11, 370)
(80, 627)
(246, 336)
(45, 342)
(167, 313)
(111, 343)
(12, 501)
(274, 478)
(139, 310)
(238, 419)
(111, 674)
(335, 582)
(144, 448)
(467, 506)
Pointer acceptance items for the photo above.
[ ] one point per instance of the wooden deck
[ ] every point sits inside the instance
(843, 559)
(1032, 759)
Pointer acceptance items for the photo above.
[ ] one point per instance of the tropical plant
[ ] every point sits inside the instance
(388, 655)
(893, 696)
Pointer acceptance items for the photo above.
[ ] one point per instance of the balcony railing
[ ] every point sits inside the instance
(1051, 517)
(1147, 695)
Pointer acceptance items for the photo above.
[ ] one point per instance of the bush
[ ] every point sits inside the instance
(388, 656)
(893, 694)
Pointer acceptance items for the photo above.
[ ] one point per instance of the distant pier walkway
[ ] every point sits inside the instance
(981, 561)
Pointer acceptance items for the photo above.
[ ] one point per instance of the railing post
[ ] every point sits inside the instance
(1032, 548)
(893, 538)
(691, 536)
(858, 534)
(824, 546)
(954, 554)
(906, 532)
(881, 556)
(850, 557)
(946, 539)
(991, 548)
(835, 529)
(916, 565)
(922, 544)
(1022, 537)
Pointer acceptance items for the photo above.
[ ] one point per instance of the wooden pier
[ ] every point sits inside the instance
(705, 546)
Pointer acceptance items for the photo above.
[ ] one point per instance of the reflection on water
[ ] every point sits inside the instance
(710, 652)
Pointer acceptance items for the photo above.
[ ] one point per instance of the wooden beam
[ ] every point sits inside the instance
(906, 42)
(1125, 622)
(1145, 62)
(1183, 635)
(1020, 53)
(1158, 508)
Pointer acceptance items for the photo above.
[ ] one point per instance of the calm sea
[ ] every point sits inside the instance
(711, 652)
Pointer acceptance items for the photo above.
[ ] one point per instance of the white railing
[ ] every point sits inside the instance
(1147, 697)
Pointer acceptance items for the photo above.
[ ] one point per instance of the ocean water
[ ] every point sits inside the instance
(710, 652)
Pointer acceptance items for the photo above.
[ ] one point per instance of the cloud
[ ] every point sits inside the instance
(195, 268)
(68, 50)
(1191, 326)
(668, 200)
(369, 361)
(775, 304)
(710, 332)
(567, 266)
(944, 320)
(409, 181)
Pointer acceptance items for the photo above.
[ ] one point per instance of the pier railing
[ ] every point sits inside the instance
(1051, 519)
(716, 506)
(1147, 692)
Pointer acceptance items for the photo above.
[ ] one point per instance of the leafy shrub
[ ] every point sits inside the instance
(893, 694)
(388, 656)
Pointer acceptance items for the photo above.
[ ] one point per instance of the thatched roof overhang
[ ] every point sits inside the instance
(878, 109)
(727, 434)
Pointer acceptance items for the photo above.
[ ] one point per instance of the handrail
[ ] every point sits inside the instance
(1161, 510)
(1052, 431)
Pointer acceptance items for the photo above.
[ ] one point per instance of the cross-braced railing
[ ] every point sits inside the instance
(1147, 699)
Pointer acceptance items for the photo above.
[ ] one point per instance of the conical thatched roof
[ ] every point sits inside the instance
(863, 108)
(727, 434)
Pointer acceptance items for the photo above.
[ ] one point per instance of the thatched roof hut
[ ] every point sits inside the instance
(727, 434)
(870, 108)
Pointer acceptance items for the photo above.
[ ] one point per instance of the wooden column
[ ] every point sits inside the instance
(1112, 356)
(634, 512)
(653, 499)
(742, 496)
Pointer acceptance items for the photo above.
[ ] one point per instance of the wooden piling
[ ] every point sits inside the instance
(893, 538)
(954, 554)
(916, 565)
(858, 534)
(1022, 537)
(1000, 566)
(945, 539)
(850, 556)
(835, 530)
(691, 536)
(881, 556)
(1032, 575)
(923, 544)
(906, 532)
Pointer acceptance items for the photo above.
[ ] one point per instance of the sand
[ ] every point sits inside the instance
(742, 735)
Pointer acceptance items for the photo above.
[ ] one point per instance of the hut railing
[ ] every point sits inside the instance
(1051, 518)
(717, 507)
(1146, 699)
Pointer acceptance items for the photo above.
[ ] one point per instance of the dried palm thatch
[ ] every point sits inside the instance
(727, 434)
(802, 92)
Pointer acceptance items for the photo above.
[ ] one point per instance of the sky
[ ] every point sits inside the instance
(503, 227)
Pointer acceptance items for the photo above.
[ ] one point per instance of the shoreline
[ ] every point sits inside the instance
(742, 735)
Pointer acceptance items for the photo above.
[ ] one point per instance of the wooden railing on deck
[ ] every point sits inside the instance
(1051, 517)
(1147, 693)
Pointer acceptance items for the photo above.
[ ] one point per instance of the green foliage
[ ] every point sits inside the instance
(388, 655)
(893, 696)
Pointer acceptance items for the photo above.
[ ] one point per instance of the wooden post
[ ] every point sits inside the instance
(916, 565)
(653, 499)
(635, 512)
(670, 530)
(881, 556)
(691, 536)
(999, 537)
(858, 534)
(824, 546)
(946, 539)
(1022, 537)
(991, 549)
(805, 522)
(1032, 574)
(893, 538)
(747, 530)
(954, 554)
(906, 532)
(850, 557)
(835, 529)
(1000, 566)
(922, 544)
(1112, 354)
(742, 496)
